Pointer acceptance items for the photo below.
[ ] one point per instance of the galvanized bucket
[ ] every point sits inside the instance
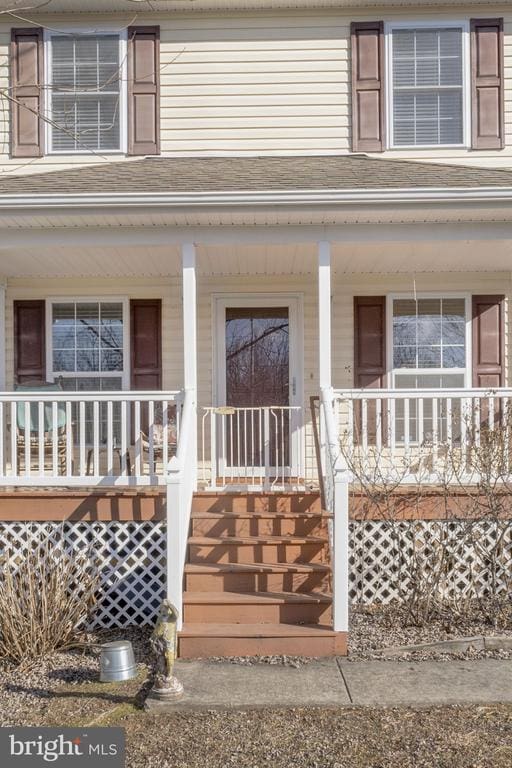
(117, 662)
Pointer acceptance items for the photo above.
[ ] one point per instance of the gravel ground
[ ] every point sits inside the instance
(451, 737)
(386, 626)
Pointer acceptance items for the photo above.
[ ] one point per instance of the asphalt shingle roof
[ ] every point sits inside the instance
(232, 174)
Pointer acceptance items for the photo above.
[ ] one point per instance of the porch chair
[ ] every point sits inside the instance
(47, 427)
(158, 437)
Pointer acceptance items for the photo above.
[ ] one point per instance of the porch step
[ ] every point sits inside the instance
(268, 607)
(257, 503)
(254, 577)
(235, 549)
(258, 524)
(205, 640)
(257, 577)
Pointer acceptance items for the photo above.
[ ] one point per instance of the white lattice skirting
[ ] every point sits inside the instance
(383, 560)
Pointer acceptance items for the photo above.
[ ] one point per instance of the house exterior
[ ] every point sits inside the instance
(232, 236)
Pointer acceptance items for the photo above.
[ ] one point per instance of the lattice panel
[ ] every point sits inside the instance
(387, 557)
(132, 562)
(130, 557)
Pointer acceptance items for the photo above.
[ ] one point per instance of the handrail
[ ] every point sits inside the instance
(64, 396)
(181, 483)
(418, 394)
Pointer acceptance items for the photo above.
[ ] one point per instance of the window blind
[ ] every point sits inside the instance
(85, 93)
(428, 99)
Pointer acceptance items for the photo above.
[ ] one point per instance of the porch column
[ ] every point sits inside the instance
(324, 314)
(2, 338)
(188, 260)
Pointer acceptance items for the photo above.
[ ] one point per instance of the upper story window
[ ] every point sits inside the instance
(427, 85)
(86, 99)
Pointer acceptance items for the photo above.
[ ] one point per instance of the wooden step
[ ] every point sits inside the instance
(200, 640)
(256, 607)
(257, 577)
(258, 524)
(238, 503)
(237, 549)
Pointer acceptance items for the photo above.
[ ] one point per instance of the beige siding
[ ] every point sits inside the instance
(258, 83)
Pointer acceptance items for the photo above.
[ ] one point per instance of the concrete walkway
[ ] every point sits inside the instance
(337, 682)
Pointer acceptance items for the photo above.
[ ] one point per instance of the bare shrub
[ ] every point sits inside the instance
(458, 565)
(46, 595)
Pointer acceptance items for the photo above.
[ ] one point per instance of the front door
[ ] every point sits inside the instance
(260, 418)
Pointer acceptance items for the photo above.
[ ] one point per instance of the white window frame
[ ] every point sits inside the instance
(123, 90)
(426, 371)
(389, 28)
(124, 375)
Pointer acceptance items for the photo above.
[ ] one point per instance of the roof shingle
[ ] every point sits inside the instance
(157, 175)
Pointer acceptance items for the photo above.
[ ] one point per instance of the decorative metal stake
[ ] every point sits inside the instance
(163, 642)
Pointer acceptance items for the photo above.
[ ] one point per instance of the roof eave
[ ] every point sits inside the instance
(312, 197)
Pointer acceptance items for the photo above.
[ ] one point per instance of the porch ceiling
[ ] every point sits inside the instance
(239, 258)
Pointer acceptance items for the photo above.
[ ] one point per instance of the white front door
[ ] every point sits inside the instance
(259, 386)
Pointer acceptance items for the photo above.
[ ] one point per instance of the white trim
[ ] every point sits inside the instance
(466, 372)
(389, 27)
(123, 89)
(124, 375)
(300, 197)
(3, 289)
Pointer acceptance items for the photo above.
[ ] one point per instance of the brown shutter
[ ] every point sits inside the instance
(144, 90)
(27, 80)
(370, 341)
(29, 342)
(487, 104)
(146, 344)
(367, 86)
(369, 357)
(488, 341)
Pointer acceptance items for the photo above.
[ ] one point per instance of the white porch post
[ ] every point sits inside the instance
(324, 313)
(3, 382)
(188, 260)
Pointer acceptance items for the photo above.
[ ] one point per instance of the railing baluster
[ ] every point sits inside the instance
(407, 424)
(124, 438)
(27, 437)
(14, 438)
(151, 435)
(165, 434)
(449, 427)
(82, 437)
(364, 424)
(110, 439)
(96, 437)
(421, 423)
(435, 428)
(55, 439)
(224, 447)
(40, 436)
(69, 439)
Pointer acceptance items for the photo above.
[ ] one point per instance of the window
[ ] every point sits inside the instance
(427, 94)
(86, 93)
(429, 348)
(87, 344)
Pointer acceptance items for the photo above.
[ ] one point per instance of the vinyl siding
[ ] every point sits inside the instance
(258, 84)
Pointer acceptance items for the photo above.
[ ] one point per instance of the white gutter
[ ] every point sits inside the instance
(243, 198)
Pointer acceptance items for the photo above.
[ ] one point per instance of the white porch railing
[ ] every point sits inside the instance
(259, 448)
(181, 484)
(417, 435)
(87, 439)
(335, 482)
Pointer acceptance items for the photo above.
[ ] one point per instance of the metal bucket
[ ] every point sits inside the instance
(117, 662)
